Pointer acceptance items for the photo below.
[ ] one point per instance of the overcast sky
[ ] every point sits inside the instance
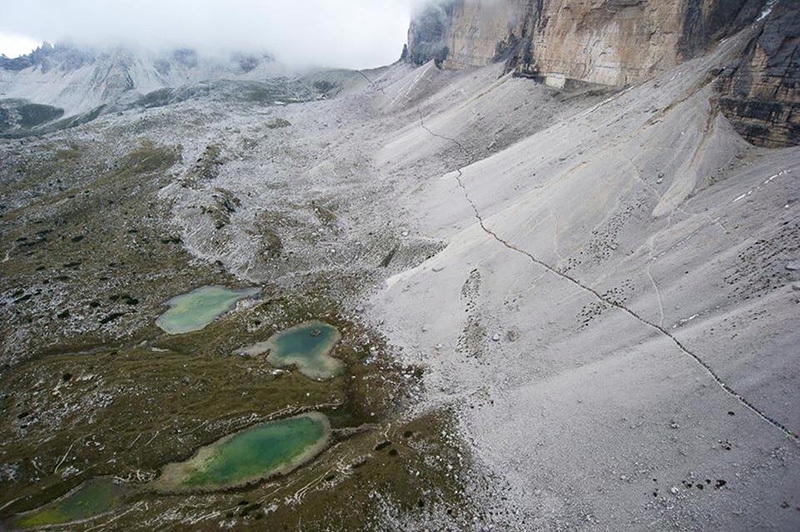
(337, 33)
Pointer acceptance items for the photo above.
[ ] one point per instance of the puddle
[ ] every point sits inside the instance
(91, 499)
(306, 346)
(266, 450)
(193, 311)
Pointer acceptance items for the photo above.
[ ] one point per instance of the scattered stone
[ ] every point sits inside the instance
(796, 287)
(496, 337)
(277, 123)
(673, 490)
(793, 266)
(359, 463)
(437, 269)
(383, 445)
(111, 317)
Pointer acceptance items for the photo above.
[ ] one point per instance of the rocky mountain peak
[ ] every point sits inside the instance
(80, 78)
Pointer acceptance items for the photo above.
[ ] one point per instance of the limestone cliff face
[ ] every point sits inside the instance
(485, 31)
(760, 95)
(466, 33)
(611, 42)
(428, 34)
(619, 42)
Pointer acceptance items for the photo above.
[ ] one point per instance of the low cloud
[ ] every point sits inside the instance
(333, 33)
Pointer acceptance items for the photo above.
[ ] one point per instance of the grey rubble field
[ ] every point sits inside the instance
(603, 278)
(595, 281)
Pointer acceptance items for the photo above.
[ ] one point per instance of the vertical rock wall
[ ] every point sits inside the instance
(619, 42)
(611, 42)
(761, 95)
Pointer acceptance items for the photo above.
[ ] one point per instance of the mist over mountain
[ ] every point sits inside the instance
(341, 33)
(82, 78)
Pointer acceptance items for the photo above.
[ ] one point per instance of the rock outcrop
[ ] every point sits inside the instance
(610, 42)
(760, 95)
(464, 33)
(620, 42)
(428, 34)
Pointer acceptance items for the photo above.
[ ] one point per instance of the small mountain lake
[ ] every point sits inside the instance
(306, 346)
(262, 451)
(92, 498)
(195, 310)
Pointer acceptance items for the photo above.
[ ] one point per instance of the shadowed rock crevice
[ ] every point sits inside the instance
(706, 22)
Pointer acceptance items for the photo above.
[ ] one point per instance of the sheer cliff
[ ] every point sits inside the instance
(612, 42)
(759, 94)
(621, 42)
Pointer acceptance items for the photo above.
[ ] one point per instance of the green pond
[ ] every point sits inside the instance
(193, 311)
(273, 448)
(306, 346)
(90, 499)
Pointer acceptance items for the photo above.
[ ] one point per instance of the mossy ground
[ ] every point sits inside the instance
(86, 265)
(128, 412)
(93, 498)
(91, 387)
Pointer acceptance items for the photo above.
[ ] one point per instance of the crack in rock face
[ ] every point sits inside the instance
(658, 328)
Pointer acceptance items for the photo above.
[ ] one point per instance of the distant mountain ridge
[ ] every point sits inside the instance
(79, 79)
